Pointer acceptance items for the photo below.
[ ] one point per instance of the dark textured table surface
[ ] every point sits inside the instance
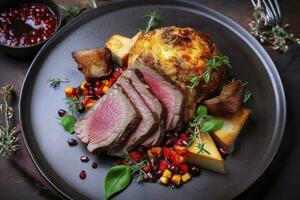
(15, 184)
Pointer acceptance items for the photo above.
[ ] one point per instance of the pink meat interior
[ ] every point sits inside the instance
(162, 93)
(103, 121)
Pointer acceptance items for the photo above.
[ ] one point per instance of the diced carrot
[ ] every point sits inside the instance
(90, 103)
(105, 89)
(69, 91)
(149, 153)
(156, 150)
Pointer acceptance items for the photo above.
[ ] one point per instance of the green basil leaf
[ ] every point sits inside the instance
(116, 180)
(212, 125)
(202, 110)
(68, 122)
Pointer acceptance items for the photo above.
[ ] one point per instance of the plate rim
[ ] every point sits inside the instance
(269, 66)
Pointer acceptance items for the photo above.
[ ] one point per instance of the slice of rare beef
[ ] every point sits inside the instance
(109, 122)
(166, 92)
(148, 123)
(152, 102)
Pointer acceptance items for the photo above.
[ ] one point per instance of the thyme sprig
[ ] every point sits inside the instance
(247, 96)
(214, 63)
(74, 104)
(202, 123)
(277, 37)
(55, 82)
(135, 167)
(153, 22)
(8, 138)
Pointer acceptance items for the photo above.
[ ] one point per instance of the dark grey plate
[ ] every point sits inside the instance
(60, 164)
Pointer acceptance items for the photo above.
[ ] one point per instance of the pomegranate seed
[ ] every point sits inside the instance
(84, 159)
(94, 165)
(224, 152)
(72, 142)
(61, 112)
(82, 174)
(194, 171)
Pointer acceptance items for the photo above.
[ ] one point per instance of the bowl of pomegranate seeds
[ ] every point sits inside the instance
(26, 25)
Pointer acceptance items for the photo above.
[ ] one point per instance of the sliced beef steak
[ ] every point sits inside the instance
(148, 123)
(166, 92)
(152, 102)
(110, 121)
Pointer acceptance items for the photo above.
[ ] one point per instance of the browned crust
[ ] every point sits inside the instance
(98, 56)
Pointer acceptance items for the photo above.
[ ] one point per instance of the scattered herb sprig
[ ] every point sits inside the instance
(55, 82)
(8, 138)
(213, 64)
(202, 123)
(277, 37)
(153, 22)
(247, 96)
(135, 167)
(74, 104)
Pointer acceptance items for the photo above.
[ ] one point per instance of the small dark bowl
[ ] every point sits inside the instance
(25, 52)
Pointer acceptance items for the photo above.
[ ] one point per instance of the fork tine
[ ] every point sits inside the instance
(270, 15)
(278, 10)
(274, 11)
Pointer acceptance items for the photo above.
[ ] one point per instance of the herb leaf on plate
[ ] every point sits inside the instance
(212, 125)
(68, 123)
(153, 22)
(55, 83)
(116, 180)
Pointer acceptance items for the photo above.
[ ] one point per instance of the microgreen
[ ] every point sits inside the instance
(135, 167)
(153, 21)
(247, 96)
(74, 103)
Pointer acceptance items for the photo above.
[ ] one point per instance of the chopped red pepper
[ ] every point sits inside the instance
(184, 168)
(163, 165)
(136, 156)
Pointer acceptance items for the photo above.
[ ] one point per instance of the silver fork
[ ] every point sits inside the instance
(271, 11)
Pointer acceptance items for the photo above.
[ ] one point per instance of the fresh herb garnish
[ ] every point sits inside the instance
(193, 83)
(276, 36)
(212, 64)
(74, 104)
(8, 138)
(68, 123)
(202, 123)
(135, 167)
(201, 149)
(55, 82)
(73, 10)
(247, 96)
(215, 63)
(153, 22)
(116, 180)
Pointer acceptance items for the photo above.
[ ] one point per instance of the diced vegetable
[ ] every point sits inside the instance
(69, 91)
(105, 89)
(156, 150)
(164, 180)
(176, 179)
(167, 173)
(186, 177)
(163, 165)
